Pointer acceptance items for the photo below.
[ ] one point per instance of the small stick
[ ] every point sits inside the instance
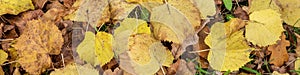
(63, 60)
(199, 51)
(162, 69)
(8, 63)
(6, 39)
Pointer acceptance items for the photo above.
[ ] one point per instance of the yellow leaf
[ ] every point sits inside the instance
(206, 7)
(103, 45)
(39, 40)
(264, 28)
(227, 48)
(145, 57)
(141, 1)
(174, 20)
(120, 10)
(297, 64)
(94, 12)
(277, 73)
(3, 56)
(1, 71)
(15, 6)
(257, 5)
(86, 49)
(169, 59)
(290, 12)
(76, 69)
(187, 8)
(128, 27)
(96, 49)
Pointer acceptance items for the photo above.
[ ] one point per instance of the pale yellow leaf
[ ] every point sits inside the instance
(277, 73)
(264, 28)
(76, 69)
(86, 49)
(297, 64)
(206, 7)
(290, 11)
(227, 48)
(257, 5)
(15, 6)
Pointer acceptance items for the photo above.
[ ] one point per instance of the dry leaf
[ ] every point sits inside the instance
(277, 73)
(264, 28)
(142, 1)
(227, 48)
(186, 68)
(206, 7)
(128, 27)
(96, 49)
(187, 8)
(1, 71)
(15, 6)
(298, 44)
(3, 56)
(76, 69)
(39, 3)
(40, 38)
(257, 5)
(120, 10)
(117, 71)
(297, 64)
(94, 12)
(290, 11)
(279, 53)
(145, 57)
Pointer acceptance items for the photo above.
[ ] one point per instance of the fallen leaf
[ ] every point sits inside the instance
(145, 56)
(264, 28)
(76, 69)
(277, 73)
(187, 8)
(279, 53)
(94, 12)
(39, 3)
(297, 64)
(116, 71)
(15, 6)
(96, 49)
(3, 56)
(257, 5)
(103, 43)
(290, 11)
(141, 1)
(128, 27)
(120, 10)
(186, 68)
(206, 7)
(227, 48)
(39, 40)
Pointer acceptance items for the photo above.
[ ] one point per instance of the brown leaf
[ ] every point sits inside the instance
(40, 38)
(279, 53)
(117, 71)
(119, 10)
(21, 19)
(39, 3)
(69, 3)
(186, 68)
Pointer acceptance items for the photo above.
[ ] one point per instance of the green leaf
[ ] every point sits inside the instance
(228, 4)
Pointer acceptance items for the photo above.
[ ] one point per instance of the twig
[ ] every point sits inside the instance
(6, 39)
(63, 59)
(198, 51)
(8, 63)
(162, 69)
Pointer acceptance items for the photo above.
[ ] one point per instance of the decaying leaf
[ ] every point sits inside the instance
(290, 11)
(40, 38)
(128, 27)
(227, 47)
(94, 12)
(186, 68)
(206, 7)
(15, 6)
(76, 69)
(279, 53)
(3, 56)
(96, 49)
(264, 28)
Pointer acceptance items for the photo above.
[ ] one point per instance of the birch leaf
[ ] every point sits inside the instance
(264, 28)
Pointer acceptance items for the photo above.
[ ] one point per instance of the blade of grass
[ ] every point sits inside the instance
(251, 70)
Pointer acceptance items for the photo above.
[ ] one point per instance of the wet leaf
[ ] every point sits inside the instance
(15, 6)
(39, 40)
(279, 53)
(264, 28)
(227, 47)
